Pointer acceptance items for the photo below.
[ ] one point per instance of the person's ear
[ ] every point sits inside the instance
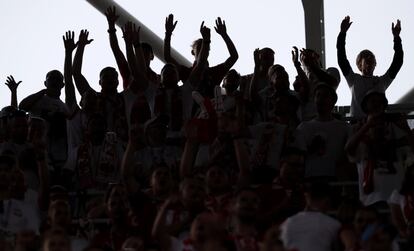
(45, 83)
(192, 52)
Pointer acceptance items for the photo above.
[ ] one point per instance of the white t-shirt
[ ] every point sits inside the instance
(384, 182)
(330, 137)
(360, 85)
(309, 231)
(19, 215)
(277, 132)
(398, 199)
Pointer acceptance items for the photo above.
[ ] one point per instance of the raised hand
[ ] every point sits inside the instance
(136, 38)
(11, 83)
(295, 56)
(256, 56)
(127, 30)
(396, 29)
(69, 41)
(220, 27)
(111, 16)
(83, 38)
(205, 32)
(170, 24)
(346, 23)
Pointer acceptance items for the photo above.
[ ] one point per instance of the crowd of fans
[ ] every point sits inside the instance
(219, 162)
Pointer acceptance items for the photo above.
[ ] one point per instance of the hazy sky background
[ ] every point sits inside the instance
(31, 43)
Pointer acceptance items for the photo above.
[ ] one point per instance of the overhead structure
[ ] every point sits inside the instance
(315, 27)
(146, 34)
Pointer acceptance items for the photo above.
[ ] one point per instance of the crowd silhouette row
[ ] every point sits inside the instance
(218, 162)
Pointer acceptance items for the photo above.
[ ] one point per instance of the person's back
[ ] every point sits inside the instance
(310, 231)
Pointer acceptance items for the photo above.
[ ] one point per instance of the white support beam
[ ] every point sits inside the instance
(146, 34)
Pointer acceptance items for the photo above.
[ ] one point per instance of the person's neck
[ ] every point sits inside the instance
(109, 93)
(324, 116)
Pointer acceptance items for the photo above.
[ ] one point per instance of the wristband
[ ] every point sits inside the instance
(111, 30)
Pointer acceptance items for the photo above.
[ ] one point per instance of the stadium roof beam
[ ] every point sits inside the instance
(146, 34)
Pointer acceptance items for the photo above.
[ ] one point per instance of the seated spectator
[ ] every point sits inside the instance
(312, 229)
(381, 148)
(359, 84)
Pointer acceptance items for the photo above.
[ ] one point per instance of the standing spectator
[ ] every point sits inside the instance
(360, 84)
(325, 136)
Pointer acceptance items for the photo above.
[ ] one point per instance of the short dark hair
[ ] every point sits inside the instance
(106, 69)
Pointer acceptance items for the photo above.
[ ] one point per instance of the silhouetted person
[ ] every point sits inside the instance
(360, 84)
(212, 75)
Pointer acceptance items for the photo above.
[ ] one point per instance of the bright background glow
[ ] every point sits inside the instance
(31, 43)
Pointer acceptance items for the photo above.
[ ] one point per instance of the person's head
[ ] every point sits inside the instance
(108, 80)
(278, 77)
(17, 185)
(58, 192)
(169, 76)
(161, 181)
(18, 126)
(246, 205)
(116, 202)
(155, 131)
(374, 103)
(54, 83)
(196, 47)
(379, 237)
(366, 62)
(96, 127)
(318, 196)
(325, 98)
(192, 194)
(56, 239)
(334, 72)
(59, 214)
(267, 58)
(365, 216)
(292, 166)
(217, 180)
(272, 241)
(7, 164)
(205, 227)
(148, 53)
(134, 243)
(309, 57)
(231, 81)
(301, 87)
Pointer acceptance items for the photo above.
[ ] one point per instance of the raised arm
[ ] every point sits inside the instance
(70, 96)
(111, 17)
(169, 28)
(201, 62)
(12, 84)
(398, 58)
(135, 58)
(80, 81)
(253, 90)
(159, 230)
(222, 31)
(311, 60)
(189, 154)
(340, 47)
